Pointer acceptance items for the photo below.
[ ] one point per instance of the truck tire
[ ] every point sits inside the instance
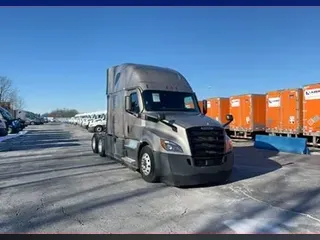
(147, 165)
(101, 147)
(98, 129)
(94, 144)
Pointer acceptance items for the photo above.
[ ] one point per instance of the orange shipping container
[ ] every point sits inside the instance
(190, 105)
(311, 109)
(218, 108)
(284, 111)
(249, 112)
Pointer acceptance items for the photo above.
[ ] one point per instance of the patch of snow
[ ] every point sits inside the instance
(243, 226)
(10, 136)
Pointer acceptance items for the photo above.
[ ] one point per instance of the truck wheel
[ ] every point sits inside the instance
(94, 144)
(32, 123)
(147, 165)
(101, 148)
(98, 129)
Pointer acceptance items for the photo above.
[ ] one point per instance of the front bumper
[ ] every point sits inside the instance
(180, 170)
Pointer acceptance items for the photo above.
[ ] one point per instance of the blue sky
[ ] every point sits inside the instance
(58, 57)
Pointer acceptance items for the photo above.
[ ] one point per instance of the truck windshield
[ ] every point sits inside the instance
(169, 101)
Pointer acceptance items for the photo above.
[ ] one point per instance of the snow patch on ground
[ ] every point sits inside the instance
(10, 136)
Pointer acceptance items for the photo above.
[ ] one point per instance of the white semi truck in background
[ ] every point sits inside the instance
(154, 125)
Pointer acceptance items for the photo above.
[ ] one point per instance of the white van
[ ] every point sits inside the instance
(99, 122)
(87, 120)
(71, 120)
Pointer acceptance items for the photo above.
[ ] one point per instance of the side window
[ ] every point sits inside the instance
(116, 82)
(188, 102)
(134, 103)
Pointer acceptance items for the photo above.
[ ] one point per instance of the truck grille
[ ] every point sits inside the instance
(207, 145)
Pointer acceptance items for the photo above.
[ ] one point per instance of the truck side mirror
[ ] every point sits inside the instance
(127, 104)
(204, 107)
(229, 119)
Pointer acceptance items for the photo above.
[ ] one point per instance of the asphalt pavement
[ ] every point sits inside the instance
(50, 181)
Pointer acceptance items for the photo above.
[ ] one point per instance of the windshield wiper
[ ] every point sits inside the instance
(160, 118)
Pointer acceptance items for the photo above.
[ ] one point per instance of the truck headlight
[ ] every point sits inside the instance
(170, 146)
(228, 145)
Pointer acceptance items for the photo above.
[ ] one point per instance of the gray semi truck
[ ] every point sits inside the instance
(154, 126)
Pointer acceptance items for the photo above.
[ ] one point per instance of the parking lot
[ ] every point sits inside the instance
(52, 182)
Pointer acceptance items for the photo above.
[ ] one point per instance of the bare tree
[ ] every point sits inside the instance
(5, 89)
(20, 103)
(15, 100)
(10, 94)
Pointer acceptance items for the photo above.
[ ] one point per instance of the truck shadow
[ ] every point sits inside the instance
(56, 169)
(39, 140)
(251, 162)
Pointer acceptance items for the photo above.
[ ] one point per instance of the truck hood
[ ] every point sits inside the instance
(191, 120)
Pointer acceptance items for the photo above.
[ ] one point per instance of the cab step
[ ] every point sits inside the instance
(130, 162)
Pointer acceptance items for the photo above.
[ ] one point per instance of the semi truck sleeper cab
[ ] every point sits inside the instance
(154, 125)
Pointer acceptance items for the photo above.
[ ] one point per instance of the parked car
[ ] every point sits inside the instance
(33, 121)
(22, 123)
(42, 121)
(20, 115)
(3, 128)
(13, 125)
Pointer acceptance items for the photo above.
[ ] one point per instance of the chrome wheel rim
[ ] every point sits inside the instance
(94, 143)
(100, 146)
(146, 164)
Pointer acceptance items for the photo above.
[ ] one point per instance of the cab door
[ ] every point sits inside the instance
(133, 123)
